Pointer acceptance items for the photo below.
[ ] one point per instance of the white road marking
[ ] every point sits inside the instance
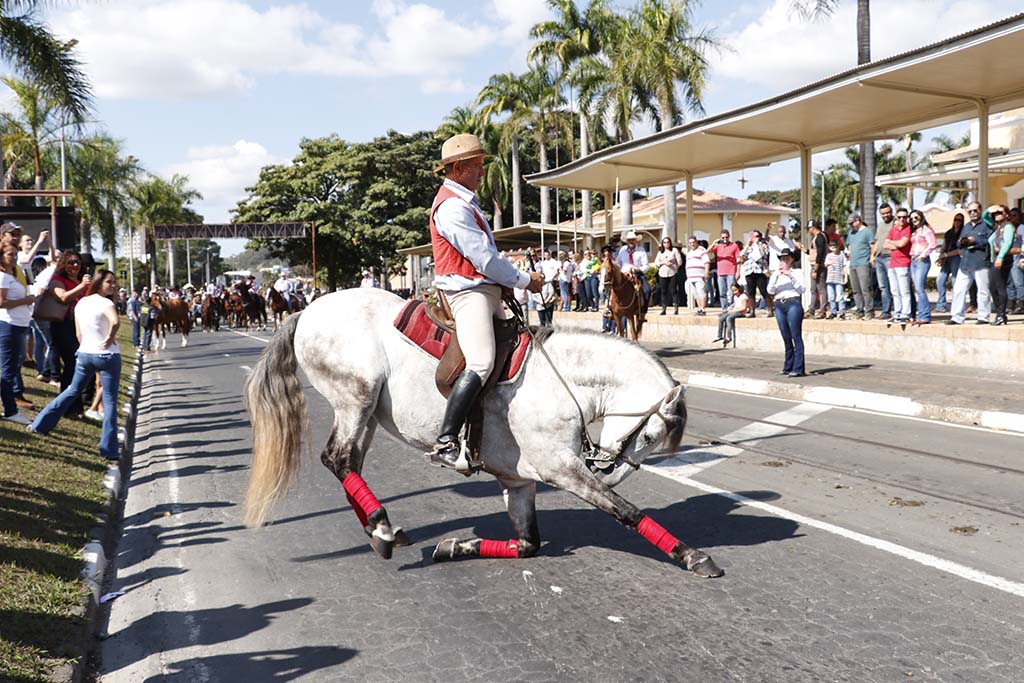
(853, 398)
(246, 368)
(690, 462)
(251, 336)
(943, 565)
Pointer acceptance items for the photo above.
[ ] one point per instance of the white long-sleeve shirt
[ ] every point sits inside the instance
(456, 222)
(785, 285)
(640, 261)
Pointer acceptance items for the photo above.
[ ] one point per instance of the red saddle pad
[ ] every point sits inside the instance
(414, 323)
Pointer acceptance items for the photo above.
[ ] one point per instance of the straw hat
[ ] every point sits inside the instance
(459, 147)
(631, 235)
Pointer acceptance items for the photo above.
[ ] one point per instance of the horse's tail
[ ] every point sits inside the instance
(277, 410)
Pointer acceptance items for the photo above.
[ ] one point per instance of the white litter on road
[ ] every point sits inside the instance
(557, 590)
(616, 620)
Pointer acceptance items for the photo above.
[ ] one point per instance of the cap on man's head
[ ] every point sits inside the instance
(814, 224)
(10, 227)
(854, 218)
(787, 252)
(459, 147)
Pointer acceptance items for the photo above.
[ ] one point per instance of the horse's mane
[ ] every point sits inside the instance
(542, 334)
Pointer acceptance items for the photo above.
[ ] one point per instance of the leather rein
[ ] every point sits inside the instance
(594, 454)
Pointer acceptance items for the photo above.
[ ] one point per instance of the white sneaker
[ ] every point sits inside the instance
(18, 419)
(54, 383)
(94, 415)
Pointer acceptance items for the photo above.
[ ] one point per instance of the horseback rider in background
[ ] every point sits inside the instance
(633, 261)
(470, 271)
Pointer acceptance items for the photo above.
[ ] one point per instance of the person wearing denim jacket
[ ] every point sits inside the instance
(96, 324)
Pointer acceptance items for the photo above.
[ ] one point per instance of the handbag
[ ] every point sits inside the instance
(49, 308)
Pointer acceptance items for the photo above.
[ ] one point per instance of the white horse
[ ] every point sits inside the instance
(349, 349)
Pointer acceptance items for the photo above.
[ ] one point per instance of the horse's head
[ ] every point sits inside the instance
(660, 428)
(609, 268)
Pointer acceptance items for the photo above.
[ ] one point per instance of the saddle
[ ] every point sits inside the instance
(431, 327)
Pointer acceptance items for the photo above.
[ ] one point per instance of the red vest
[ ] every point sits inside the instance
(447, 259)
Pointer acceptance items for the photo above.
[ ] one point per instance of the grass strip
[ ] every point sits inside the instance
(51, 489)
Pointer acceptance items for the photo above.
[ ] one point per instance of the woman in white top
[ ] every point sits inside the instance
(668, 261)
(96, 324)
(15, 316)
(787, 286)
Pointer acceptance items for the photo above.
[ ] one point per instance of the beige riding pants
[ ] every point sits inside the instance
(474, 309)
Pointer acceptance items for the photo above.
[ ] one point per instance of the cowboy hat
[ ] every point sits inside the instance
(631, 235)
(459, 147)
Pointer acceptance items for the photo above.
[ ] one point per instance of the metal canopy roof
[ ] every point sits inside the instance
(1007, 164)
(931, 86)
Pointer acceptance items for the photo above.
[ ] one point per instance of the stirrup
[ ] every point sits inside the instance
(442, 455)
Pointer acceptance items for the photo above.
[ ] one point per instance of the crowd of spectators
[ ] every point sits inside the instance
(42, 316)
(863, 274)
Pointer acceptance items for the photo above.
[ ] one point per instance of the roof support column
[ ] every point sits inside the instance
(805, 216)
(689, 205)
(982, 153)
(607, 218)
(670, 228)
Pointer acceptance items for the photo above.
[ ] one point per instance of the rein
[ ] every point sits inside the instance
(594, 454)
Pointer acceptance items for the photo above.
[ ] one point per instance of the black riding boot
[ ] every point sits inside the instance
(460, 401)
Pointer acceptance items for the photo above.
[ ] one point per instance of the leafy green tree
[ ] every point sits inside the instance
(367, 200)
(790, 198)
(957, 189)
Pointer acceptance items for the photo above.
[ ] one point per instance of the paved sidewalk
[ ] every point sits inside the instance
(987, 398)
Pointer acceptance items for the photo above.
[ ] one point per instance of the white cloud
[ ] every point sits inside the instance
(221, 173)
(158, 48)
(780, 51)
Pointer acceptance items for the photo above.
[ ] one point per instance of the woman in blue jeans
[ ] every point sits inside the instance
(786, 288)
(14, 321)
(96, 324)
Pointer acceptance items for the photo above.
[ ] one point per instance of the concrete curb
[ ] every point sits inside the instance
(103, 536)
(888, 404)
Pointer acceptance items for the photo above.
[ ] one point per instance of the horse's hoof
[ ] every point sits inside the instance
(445, 550)
(701, 564)
(401, 538)
(382, 546)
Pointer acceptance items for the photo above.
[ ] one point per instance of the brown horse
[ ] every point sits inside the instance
(171, 313)
(211, 313)
(253, 308)
(625, 298)
(280, 307)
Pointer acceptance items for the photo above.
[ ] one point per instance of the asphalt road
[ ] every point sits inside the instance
(856, 548)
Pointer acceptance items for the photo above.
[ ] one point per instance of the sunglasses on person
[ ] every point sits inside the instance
(74, 263)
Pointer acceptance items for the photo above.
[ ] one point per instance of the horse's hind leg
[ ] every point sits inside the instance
(353, 430)
(575, 478)
(520, 501)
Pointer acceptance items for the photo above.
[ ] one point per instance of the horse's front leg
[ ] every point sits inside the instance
(520, 501)
(574, 477)
(633, 334)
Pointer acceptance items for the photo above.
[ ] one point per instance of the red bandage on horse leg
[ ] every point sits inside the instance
(490, 548)
(657, 534)
(360, 496)
(359, 511)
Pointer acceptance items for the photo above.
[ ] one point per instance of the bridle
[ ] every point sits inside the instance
(596, 456)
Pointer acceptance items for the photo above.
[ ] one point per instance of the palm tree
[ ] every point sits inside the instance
(155, 200)
(819, 9)
(35, 53)
(671, 56)
(102, 179)
(504, 94)
(36, 126)
(570, 37)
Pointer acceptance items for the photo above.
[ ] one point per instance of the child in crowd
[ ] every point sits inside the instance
(727, 320)
(835, 280)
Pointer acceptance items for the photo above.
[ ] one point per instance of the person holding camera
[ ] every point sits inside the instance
(974, 268)
(68, 286)
(726, 255)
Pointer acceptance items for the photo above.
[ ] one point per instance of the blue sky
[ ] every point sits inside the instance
(216, 89)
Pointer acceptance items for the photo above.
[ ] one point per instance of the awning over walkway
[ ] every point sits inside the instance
(966, 76)
(933, 176)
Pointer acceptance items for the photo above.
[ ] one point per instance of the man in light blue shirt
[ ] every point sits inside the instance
(860, 240)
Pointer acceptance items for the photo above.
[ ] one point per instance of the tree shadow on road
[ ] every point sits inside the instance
(268, 665)
(165, 631)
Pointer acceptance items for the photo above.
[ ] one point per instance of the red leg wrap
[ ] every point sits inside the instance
(490, 548)
(360, 496)
(359, 511)
(657, 534)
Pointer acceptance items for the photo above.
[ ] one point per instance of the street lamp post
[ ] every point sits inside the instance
(208, 249)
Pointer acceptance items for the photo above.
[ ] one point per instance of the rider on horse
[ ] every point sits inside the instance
(284, 287)
(633, 261)
(470, 271)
